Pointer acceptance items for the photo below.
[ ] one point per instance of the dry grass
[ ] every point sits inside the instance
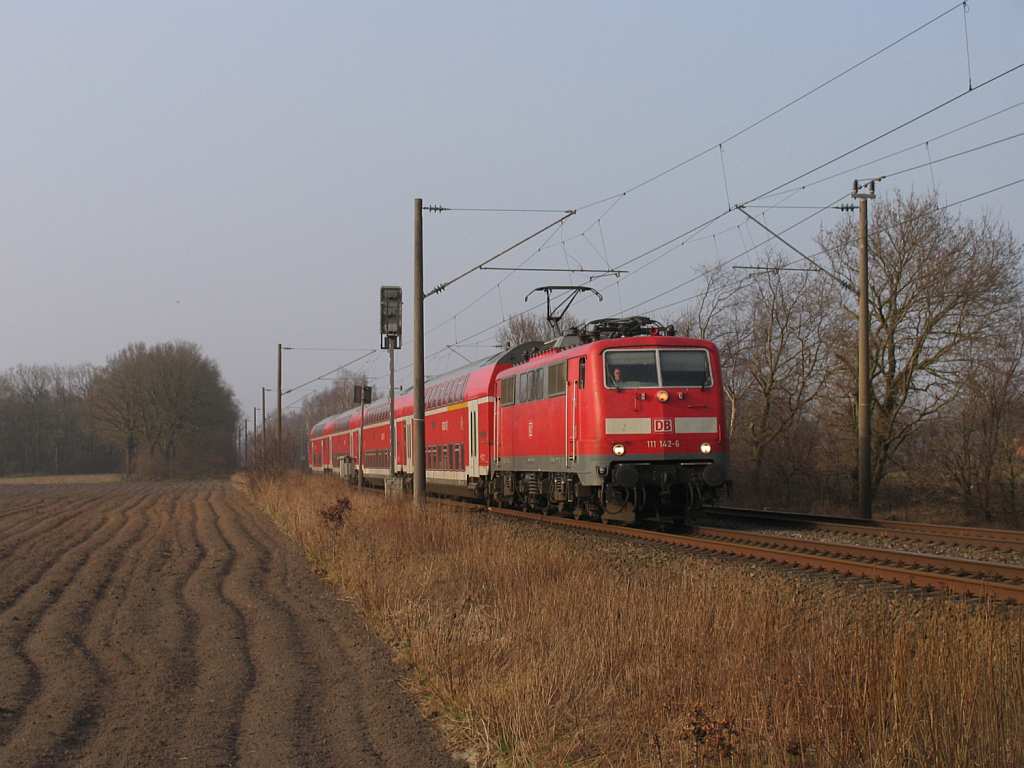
(534, 649)
(58, 479)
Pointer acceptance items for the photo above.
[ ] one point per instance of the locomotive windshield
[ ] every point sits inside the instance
(685, 368)
(630, 369)
(650, 368)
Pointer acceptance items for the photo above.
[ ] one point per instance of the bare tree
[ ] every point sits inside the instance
(937, 285)
(519, 329)
(977, 445)
(117, 404)
(784, 359)
(169, 399)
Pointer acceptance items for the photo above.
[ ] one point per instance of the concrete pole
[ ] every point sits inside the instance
(419, 484)
(263, 414)
(863, 358)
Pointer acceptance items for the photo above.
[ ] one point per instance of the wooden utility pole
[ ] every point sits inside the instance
(419, 483)
(862, 193)
(279, 348)
(245, 452)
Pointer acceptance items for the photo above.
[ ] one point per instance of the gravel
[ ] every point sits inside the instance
(875, 541)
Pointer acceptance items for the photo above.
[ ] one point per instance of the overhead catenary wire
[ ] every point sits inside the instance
(543, 246)
(718, 216)
(771, 114)
(326, 349)
(888, 132)
(446, 209)
(943, 207)
(952, 156)
(889, 155)
(341, 367)
(442, 286)
(495, 287)
(873, 232)
(722, 264)
(615, 199)
(930, 164)
(817, 209)
(821, 252)
(732, 259)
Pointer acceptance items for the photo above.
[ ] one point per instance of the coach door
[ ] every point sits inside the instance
(473, 459)
(400, 449)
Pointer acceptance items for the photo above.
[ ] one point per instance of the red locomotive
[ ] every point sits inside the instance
(620, 420)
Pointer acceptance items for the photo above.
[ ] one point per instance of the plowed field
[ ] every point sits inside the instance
(172, 624)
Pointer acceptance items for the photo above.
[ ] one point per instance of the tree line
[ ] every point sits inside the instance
(947, 346)
(155, 411)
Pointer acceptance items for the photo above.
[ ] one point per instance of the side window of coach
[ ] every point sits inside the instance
(583, 372)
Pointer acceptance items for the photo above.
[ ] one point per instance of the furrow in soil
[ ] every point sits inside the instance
(54, 648)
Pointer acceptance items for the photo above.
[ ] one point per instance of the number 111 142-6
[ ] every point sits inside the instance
(663, 444)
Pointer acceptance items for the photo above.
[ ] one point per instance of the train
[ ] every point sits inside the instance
(619, 420)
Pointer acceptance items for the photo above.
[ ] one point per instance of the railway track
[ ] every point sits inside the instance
(991, 538)
(970, 578)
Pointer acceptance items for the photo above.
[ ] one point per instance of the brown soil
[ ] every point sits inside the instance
(172, 624)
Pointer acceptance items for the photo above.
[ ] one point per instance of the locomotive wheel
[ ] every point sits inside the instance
(620, 505)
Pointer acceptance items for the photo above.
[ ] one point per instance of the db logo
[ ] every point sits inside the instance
(663, 425)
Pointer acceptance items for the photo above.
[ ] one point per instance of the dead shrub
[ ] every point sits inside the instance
(334, 514)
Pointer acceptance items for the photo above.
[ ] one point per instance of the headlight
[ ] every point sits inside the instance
(618, 449)
(662, 396)
(705, 447)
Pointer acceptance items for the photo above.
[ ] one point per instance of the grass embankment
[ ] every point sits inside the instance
(535, 649)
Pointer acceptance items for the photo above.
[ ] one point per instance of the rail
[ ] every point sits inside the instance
(992, 538)
(984, 580)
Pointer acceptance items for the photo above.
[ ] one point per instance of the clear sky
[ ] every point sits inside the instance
(239, 174)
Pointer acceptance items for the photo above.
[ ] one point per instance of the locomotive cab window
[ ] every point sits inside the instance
(630, 369)
(685, 368)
